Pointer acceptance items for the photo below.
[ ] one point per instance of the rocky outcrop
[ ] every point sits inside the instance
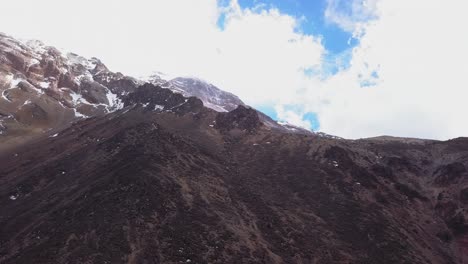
(212, 96)
(242, 118)
(64, 86)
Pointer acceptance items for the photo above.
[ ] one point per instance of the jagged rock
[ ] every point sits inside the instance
(242, 118)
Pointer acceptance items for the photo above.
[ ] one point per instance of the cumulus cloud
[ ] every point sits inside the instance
(295, 116)
(406, 76)
(258, 53)
(351, 15)
(262, 56)
(419, 53)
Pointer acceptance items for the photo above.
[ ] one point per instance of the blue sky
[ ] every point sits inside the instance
(308, 116)
(311, 13)
(335, 39)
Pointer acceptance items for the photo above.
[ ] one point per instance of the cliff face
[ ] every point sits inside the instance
(43, 89)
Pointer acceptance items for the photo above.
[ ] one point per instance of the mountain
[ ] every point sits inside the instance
(212, 96)
(44, 89)
(160, 178)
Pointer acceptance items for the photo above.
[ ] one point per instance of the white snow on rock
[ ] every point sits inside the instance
(4, 96)
(287, 126)
(78, 114)
(86, 77)
(36, 46)
(74, 59)
(33, 61)
(15, 81)
(44, 85)
(158, 107)
(212, 97)
(12, 82)
(78, 98)
(324, 135)
(26, 102)
(114, 102)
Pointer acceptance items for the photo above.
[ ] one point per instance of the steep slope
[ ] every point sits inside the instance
(212, 96)
(167, 180)
(44, 89)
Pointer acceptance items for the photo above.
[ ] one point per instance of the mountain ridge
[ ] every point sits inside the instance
(57, 88)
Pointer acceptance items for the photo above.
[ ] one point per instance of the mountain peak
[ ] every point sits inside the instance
(212, 96)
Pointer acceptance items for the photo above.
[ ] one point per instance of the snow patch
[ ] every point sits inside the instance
(215, 107)
(114, 102)
(78, 98)
(13, 83)
(4, 96)
(37, 46)
(87, 76)
(26, 102)
(158, 107)
(74, 59)
(2, 127)
(324, 135)
(32, 62)
(78, 114)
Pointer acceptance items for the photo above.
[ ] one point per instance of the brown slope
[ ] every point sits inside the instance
(187, 184)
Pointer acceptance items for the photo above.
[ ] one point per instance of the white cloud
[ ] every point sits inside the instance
(262, 57)
(419, 50)
(292, 117)
(351, 15)
(259, 54)
(416, 48)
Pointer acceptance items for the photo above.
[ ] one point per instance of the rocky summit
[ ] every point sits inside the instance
(99, 167)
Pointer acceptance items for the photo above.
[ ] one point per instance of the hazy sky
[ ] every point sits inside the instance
(345, 67)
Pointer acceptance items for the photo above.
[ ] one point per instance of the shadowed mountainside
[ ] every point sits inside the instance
(166, 180)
